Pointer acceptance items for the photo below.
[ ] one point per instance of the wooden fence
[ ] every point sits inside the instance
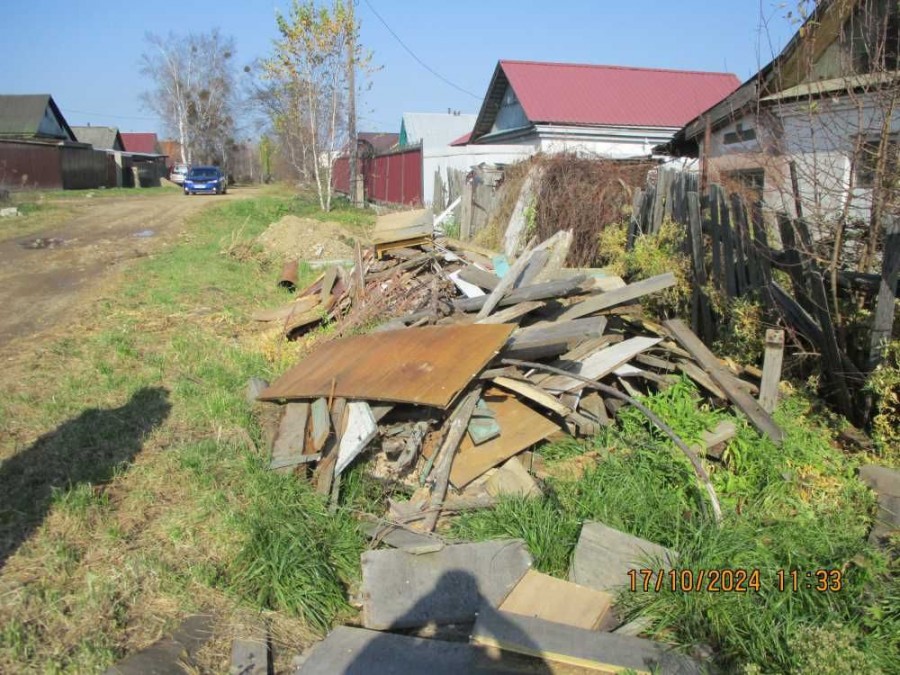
(734, 252)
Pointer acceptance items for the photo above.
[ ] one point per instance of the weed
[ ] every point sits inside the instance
(884, 384)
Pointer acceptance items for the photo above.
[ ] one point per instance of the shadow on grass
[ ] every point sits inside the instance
(86, 449)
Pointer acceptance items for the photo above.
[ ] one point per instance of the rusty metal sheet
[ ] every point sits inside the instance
(427, 366)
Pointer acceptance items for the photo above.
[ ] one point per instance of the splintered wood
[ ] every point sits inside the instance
(451, 383)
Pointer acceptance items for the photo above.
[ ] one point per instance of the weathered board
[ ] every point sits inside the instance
(401, 590)
(619, 296)
(551, 599)
(287, 451)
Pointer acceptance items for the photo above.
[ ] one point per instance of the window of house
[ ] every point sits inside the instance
(866, 162)
(739, 135)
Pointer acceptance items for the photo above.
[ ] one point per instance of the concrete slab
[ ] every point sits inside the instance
(400, 590)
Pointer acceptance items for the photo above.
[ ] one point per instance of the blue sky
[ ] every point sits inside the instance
(86, 53)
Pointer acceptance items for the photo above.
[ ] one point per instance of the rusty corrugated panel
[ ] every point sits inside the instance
(30, 165)
(427, 366)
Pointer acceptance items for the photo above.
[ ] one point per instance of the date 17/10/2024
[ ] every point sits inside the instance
(733, 580)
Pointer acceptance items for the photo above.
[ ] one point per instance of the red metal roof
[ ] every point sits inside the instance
(144, 143)
(567, 93)
(462, 140)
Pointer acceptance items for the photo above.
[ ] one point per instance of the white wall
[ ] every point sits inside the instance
(611, 142)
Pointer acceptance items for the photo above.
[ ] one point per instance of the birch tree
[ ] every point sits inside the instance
(193, 91)
(307, 73)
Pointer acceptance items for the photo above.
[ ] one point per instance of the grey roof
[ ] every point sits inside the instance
(436, 129)
(102, 138)
(26, 116)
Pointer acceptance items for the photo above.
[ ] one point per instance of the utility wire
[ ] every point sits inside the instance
(103, 114)
(418, 60)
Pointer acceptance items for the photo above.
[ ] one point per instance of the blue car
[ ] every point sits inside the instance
(204, 179)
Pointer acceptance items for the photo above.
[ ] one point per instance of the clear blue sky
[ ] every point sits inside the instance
(86, 52)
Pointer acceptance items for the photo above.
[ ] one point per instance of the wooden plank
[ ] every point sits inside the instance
(601, 363)
(520, 427)
(634, 222)
(558, 255)
(550, 334)
(535, 266)
(328, 283)
(883, 320)
(545, 597)
(604, 556)
(715, 234)
(513, 480)
(619, 296)
(593, 650)
(287, 451)
(728, 253)
(532, 393)
(512, 236)
(545, 291)
(320, 424)
(407, 540)
(455, 429)
(712, 442)
(360, 430)
(479, 277)
(513, 314)
(356, 651)
(250, 656)
(700, 299)
(771, 376)
(506, 284)
(400, 590)
(736, 394)
(698, 375)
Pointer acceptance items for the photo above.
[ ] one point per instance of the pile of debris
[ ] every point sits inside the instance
(473, 362)
(448, 367)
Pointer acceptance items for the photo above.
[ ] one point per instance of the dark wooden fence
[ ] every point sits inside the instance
(734, 251)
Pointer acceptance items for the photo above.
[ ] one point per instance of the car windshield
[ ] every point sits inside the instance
(203, 173)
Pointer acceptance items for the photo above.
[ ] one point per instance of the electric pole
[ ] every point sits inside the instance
(351, 110)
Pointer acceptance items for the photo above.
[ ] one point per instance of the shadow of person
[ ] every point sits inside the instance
(86, 449)
(456, 594)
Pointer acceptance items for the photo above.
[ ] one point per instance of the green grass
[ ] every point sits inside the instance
(146, 496)
(794, 507)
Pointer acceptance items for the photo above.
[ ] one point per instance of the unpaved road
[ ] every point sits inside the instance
(40, 287)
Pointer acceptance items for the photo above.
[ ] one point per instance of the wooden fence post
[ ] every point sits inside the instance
(771, 375)
(883, 321)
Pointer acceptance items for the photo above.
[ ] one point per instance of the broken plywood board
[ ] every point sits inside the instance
(427, 366)
(356, 651)
(603, 557)
(594, 650)
(600, 363)
(724, 379)
(360, 429)
(512, 479)
(544, 597)
(619, 296)
(290, 441)
(400, 590)
(520, 428)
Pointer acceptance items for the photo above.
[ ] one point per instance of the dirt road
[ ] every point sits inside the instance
(39, 287)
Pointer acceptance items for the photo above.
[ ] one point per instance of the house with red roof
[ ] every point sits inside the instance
(611, 111)
(144, 143)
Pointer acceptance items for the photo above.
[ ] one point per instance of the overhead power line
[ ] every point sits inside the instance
(418, 60)
(120, 117)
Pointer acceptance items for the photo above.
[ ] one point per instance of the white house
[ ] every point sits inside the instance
(812, 124)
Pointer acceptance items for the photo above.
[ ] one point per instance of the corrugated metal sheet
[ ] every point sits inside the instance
(435, 130)
(564, 93)
(427, 366)
(30, 166)
(393, 178)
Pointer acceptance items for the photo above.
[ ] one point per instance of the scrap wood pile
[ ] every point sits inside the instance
(476, 361)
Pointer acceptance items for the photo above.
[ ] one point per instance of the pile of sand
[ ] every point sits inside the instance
(308, 239)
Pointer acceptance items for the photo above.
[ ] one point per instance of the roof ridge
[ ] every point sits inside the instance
(613, 67)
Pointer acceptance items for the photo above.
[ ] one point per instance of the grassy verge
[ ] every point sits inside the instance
(131, 492)
(795, 507)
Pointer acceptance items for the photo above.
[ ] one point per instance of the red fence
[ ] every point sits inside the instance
(394, 177)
